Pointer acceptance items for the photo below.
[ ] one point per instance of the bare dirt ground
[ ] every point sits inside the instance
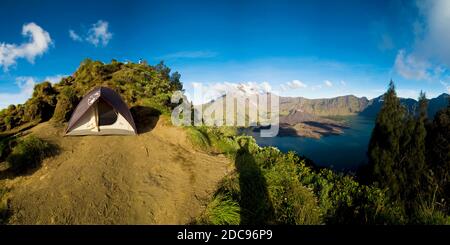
(154, 178)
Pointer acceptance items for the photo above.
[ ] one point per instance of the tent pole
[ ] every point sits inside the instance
(96, 117)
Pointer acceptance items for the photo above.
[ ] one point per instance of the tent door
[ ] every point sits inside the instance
(106, 114)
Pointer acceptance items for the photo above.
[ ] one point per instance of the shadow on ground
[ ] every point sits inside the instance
(256, 207)
(26, 161)
(145, 118)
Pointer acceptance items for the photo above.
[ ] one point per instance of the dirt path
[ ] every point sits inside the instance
(152, 178)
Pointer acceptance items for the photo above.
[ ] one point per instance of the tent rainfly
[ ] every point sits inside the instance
(101, 112)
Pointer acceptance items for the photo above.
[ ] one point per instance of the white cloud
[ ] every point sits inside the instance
(408, 93)
(296, 84)
(430, 48)
(434, 39)
(328, 83)
(99, 34)
(39, 41)
(26, 86)
(446, 86)
(75, 36)
(55, 79)
(410, 67)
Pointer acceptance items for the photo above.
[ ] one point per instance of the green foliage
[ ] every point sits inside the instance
(4, 209)
(292, 202)
(429, 215)
(11, 117)
(222, 210)
(384, 146)
(138, 84)
(254, 198)
(9, 122)
(42, 104)
(219, 140)
(438, 155)
(67, 102)
(28, 153)
(344, 201)
(198, 138)
(409, 158)
(6, 145)
(414, 162)
(280, 188)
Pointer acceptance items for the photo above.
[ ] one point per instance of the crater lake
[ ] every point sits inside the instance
(344, 152)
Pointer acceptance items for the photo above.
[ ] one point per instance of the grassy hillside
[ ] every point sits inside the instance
(138, 84)
(168, 175)
(271, 187)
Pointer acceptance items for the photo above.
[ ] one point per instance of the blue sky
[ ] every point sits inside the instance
(299, 48)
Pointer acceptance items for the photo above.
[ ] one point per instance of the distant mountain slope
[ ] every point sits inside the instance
(434, 105)
(314, 117)
(352, 105)
(342, 105)
(374, 106)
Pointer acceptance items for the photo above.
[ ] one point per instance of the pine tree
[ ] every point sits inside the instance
(438, 153)
(384, 146)
(412, 157)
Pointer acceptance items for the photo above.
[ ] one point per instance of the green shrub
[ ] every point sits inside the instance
(219, 140)
(29, 153)
(138, 84)
(67, 102)
(6, 147)
(4, 209)
(266, 187)
(9, 122)
(38, 108)
(222, 139)
(292, 202)
(157, 105)
(42, 104)
(198, 138)
(430, 215)
(222, 210)
(275, 187)
(345, 201)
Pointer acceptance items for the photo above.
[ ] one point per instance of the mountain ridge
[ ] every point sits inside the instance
(352, 105)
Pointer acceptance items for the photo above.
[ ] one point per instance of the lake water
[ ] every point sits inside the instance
(340, 152)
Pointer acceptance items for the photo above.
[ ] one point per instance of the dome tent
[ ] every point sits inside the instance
(101, 112)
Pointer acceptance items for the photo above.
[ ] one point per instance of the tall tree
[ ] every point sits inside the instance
(438, 152)
(384, 145)
(412, 157)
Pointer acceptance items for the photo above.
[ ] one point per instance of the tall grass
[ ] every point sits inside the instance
(199, 138)
(6, 145)
(272, 187)
(4, 210)
(430, 215)
(222, 210)
(263, 189)
(29, 153)
(219, 140)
